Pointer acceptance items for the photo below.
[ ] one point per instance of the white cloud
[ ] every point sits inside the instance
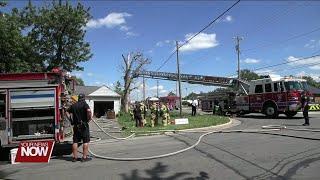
(97, 82)
(228, 18)
(89, 74)
(111, 20)
(160, 87)
(313, 62)
(251, 61)
(264, 71)
(159, 44)
(124, 28)
(163, 91)
(312, 44)
(302, 73)
(131, 34)
(315, 67)
(316, 77)
(162, 43)
(201, 41)
(269, 72)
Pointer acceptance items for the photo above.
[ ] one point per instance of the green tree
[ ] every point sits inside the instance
(12, 44)
(311, 81)
(171, 93)
(191, 96)
(248, 75)
(38, 39)
(79, 81)
(118, 88)
(57, 33)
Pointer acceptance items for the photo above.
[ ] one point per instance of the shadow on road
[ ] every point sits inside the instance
(157, 173)
(272, 173)
(264, 117)
(226, 164)
(4, 175)
(65, 158)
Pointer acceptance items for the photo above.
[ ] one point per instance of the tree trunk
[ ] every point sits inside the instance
(126, 102)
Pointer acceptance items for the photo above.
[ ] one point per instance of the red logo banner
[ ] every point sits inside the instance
(34, 151)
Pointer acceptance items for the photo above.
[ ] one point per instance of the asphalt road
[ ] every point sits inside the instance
(218, 156)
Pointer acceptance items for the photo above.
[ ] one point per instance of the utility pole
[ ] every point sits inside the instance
(186, 91)
(157, 88)
(179, 79)
(144, 89)
(177, 88)
(238, 39)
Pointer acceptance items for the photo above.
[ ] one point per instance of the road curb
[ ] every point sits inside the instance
(231, 123)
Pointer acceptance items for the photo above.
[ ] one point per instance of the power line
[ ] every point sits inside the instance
(279, 64)
(209, 24)
(188, 40)
(299, 67)
(286, 62)
(316, 52)
(283, 41)
(272, 19)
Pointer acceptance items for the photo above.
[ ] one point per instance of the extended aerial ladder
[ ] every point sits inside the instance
(195, 79)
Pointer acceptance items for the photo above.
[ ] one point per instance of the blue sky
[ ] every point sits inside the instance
(120, 27)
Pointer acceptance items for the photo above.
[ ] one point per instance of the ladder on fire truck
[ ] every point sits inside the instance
(194, 79)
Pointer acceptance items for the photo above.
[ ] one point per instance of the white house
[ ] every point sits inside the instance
(100, 99)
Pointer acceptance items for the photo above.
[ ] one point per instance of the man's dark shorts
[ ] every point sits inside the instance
(81, 133)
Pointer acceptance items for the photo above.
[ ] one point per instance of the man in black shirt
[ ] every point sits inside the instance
(305, 108)
(81, 114)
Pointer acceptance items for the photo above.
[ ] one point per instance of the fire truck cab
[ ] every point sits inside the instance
(272, 96)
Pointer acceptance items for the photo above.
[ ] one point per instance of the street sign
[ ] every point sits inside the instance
(181, 121)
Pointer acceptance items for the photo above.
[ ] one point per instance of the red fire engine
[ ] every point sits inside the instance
(270, 96)
(32, 106)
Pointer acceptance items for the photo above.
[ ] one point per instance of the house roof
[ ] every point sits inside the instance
(314, 90)
(102, 91)
(86, 90)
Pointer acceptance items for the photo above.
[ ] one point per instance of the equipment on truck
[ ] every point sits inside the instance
(270, 96)
(33, 106)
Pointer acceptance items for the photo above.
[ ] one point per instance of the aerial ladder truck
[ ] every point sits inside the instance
(270, 96)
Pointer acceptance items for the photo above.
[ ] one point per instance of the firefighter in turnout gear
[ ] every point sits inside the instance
(143, 113)
(164, 112)
(131, 112)
(153, 109)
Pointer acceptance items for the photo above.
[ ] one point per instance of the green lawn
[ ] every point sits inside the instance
(194, 122)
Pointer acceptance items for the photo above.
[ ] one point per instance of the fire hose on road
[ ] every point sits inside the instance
(269, 129)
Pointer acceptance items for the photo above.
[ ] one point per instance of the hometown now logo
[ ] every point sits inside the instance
(34, 151)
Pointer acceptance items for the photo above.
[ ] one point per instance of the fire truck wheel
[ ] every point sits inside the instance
(290, 114)
(270, 110)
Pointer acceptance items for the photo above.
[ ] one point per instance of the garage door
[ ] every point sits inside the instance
(101, 107)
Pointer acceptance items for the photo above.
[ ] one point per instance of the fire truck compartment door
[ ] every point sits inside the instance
(32, 98)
